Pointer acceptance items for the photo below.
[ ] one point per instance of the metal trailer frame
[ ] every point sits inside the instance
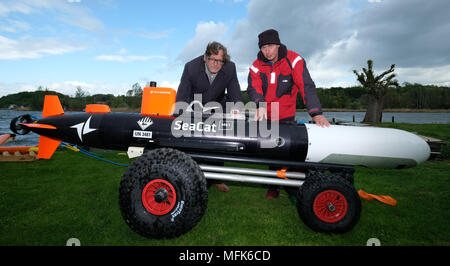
(295, 177)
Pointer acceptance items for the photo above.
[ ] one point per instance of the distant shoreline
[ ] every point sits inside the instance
(402, 110)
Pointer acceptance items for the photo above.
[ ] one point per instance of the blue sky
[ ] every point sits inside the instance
(105, 46)
(104, 43)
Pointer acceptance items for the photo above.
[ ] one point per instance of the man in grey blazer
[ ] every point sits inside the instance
(211, 75)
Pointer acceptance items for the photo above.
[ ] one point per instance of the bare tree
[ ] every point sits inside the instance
(80, 93)
(377, 87)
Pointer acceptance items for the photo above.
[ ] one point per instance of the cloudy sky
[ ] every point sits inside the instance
(105, 46)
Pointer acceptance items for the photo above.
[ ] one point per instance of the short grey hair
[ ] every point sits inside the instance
(214, 48)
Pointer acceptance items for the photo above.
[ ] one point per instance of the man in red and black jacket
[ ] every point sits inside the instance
(277, 76)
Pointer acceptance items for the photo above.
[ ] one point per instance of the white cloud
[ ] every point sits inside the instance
(431, 75)
(124, 58)
(156, 34)
(169, 84)
(13, 26)
(334, 39)
(123, 51)
(66, 87)
(304, 26)
(205, 33)
(33, 48)
(128, 58)
(8, 88)
(97, 87)
(36, 47)
(79, 16)
(342, 51)
(14, 6)
(70, 87)
(404, 32)
(75, 15)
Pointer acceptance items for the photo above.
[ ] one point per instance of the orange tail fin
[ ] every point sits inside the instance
(4, 138)
(52, 106)
(47, 146)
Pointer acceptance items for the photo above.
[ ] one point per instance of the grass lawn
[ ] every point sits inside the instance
(46, 202)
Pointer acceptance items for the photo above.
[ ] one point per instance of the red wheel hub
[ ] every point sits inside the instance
(159, 197)
(330, 206)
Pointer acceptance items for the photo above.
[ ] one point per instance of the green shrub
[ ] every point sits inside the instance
(445, 150)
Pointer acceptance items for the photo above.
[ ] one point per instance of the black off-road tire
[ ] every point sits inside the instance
(175, 196)
(328, 203)
(292, 191)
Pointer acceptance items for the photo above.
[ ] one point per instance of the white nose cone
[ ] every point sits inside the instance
(365, 146)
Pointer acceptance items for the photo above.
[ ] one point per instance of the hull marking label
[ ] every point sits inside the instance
(142, 134)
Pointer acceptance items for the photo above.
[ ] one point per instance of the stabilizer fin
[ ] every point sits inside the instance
(47, 146)
(4, 138)
(52, 106)
(36, 125)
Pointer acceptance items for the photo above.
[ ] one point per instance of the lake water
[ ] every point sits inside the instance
(401, 117)
(415, 118)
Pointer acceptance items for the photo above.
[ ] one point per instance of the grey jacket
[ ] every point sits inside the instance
(195, 81)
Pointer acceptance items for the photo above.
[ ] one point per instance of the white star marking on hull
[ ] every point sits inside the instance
(84, 128)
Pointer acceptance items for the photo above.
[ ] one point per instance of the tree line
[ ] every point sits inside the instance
(404, 96)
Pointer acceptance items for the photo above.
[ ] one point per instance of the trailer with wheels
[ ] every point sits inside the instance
(163, 193)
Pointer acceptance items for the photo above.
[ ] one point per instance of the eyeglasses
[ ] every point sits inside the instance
(220, 62)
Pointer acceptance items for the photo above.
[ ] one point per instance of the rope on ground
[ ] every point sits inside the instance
(78, 149)
(382, 198)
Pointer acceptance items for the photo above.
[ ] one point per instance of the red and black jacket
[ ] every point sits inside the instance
(281, 82)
